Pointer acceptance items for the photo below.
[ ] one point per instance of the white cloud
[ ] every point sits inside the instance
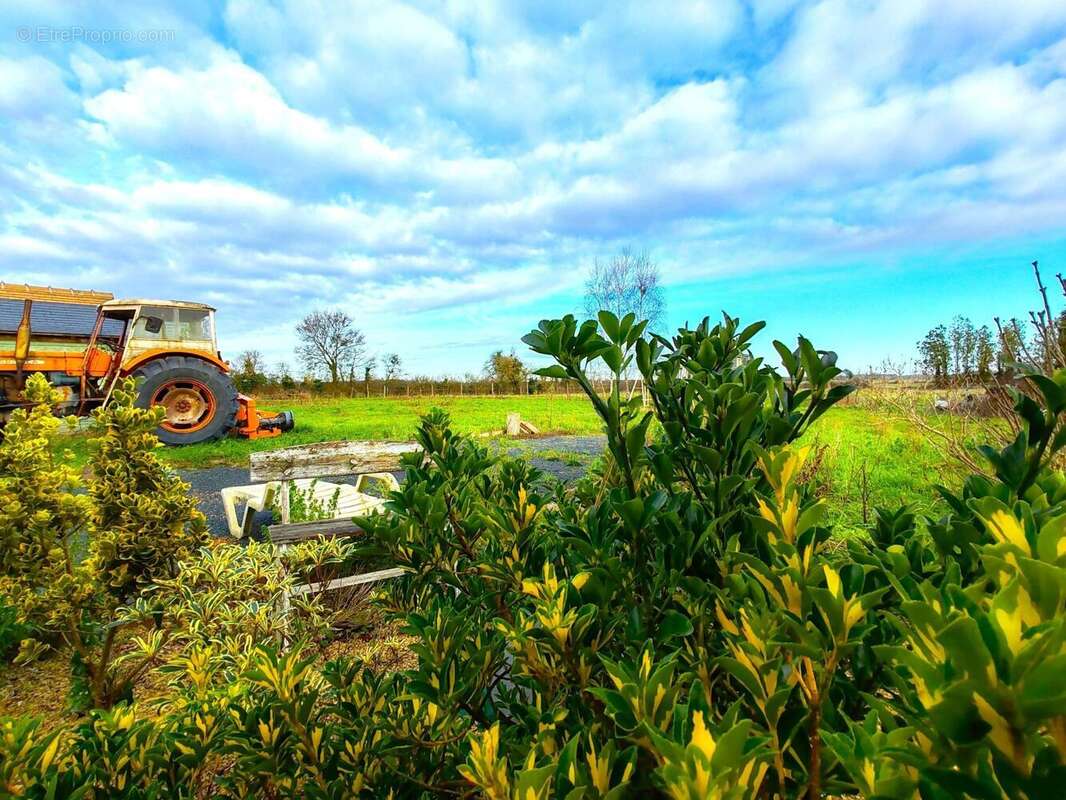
(845, 52)
(363, 55)
(31, 89)
(228, 116)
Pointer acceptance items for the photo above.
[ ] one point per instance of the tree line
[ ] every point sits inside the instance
(960, 352)
(336, 364)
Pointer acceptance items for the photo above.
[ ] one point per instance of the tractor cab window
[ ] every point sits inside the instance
(150, 323)
(194, 325)
(173, 324)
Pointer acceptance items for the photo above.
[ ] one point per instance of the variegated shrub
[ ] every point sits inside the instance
(679, 624)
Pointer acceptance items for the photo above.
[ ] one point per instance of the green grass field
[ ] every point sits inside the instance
(390, 419)
(864, 457)
(867, 459)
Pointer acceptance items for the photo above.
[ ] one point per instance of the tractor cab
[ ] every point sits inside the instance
(151, 327)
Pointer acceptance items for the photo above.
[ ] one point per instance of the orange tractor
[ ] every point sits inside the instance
(83, 342)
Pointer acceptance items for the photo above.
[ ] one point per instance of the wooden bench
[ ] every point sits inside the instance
(323, 460)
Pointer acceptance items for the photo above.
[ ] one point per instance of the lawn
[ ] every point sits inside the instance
(388, 419)
(867, 458)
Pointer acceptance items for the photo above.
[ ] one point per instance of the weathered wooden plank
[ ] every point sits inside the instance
(323, 459)
(302, 531)
(516, 426)
(351, 580)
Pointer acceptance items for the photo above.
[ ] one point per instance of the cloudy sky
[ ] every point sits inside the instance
(446, 172)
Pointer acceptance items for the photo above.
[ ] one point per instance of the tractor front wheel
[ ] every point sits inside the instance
(199, 399)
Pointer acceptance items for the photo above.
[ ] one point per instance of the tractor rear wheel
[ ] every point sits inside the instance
(199, 399)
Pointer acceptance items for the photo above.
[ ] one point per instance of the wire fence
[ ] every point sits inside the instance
(429, 387)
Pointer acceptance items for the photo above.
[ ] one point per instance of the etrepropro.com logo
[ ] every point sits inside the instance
(78, 33)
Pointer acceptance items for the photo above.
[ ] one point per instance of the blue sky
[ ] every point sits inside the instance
(446, 172)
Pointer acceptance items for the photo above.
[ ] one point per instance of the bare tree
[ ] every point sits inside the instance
(330, 342)
(393, 369)
(627, 283)
(283, 375)
(250, 374)
(393, 366)
(251, 362)
(1046, 352)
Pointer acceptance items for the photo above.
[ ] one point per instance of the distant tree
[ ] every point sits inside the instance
(934, 354)
(986, 353)
(1013, 345)
(283, 376)
(330, 343)
(507, 370)
(393, 367)
(369, 366)
(251, 362)
(627, 283)
(963, 339)
(251, 371)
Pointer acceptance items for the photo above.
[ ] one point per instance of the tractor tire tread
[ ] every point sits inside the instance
(154, 372)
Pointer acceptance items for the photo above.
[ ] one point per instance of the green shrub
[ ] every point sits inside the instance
(680, 625)
(304, 506)
(42, 513)
(72, 558)
(144, 519)
(12, 632)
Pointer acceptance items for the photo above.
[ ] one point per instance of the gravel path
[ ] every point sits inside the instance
(565, 457)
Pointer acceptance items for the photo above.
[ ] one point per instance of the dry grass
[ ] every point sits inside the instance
(385, 650)
(38, 690)
(41, 689)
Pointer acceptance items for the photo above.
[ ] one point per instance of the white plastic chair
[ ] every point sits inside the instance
(352, 501)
